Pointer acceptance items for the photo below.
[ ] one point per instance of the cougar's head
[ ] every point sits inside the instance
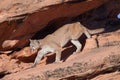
(34, 44)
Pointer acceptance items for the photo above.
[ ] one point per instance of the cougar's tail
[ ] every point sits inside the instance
(95, 31)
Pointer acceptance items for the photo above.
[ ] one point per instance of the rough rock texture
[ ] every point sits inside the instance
(16, 8)
(19, 31)
(110, 76)
(85, 65)
(21, 20)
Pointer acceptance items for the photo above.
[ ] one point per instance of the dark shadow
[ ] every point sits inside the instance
(50, 59)
(3, 74)
(92, 20)
(112, 25)
(75, 1)
(99, 18)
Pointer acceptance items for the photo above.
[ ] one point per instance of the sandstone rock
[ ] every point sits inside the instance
(90, 64)
(109, 39)
(9, 43)
(25, 20)
(91, 43)
(109, 76)
(19, 31)
(7, 65)
(24, 55)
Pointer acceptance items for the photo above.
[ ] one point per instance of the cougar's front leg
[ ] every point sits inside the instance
(38, 58)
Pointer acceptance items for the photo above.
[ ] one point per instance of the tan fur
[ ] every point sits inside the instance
(64, 34)
(56, 41)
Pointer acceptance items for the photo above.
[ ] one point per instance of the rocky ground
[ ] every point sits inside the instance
(25, 21)
(91, 63)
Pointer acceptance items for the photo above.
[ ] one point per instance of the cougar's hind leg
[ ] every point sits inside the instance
(77, 44)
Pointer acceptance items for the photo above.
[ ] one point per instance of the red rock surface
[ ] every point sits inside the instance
(110, 76)
(95, 62)
(18, 32)
(94, 56)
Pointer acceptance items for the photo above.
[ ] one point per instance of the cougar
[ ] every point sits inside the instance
(56, 41)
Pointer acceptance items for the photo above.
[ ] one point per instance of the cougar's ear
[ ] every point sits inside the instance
(30, 40)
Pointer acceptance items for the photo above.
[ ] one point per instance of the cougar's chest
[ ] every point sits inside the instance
(47, 49)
